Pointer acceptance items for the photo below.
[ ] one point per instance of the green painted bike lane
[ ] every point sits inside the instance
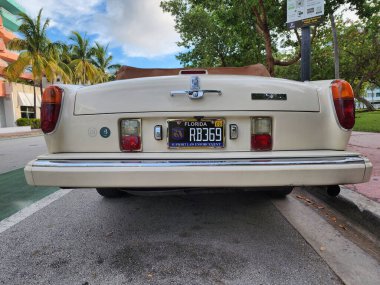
(16, 194)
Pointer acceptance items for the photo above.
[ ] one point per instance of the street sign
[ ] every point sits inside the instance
(303, 13)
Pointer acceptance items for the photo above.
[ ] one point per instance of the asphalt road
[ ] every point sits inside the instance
(229, 238)
(15, 153)
(200, 239)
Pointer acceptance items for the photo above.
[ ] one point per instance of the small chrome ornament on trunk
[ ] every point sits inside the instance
(195, 92)
(194, 83)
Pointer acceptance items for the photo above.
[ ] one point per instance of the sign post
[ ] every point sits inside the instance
(305, 54)
(303, 14)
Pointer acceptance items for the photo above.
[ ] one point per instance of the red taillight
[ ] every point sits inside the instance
(344, 104)
(50, 108)
(261, 142)
(131, 143)
(130, 135)
(261, 137)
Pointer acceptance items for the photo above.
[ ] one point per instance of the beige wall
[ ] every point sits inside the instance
(11, 102)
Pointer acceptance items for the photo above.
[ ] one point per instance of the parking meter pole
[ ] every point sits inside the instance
(305, 54)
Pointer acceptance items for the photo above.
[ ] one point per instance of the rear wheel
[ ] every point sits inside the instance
(111, 192)
(333, 190)
(282, 192)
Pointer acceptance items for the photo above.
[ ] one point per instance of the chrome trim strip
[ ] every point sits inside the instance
(189, 163)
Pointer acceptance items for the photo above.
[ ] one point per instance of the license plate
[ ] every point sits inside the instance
(193, 133)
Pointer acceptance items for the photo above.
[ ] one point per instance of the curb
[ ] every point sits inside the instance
(364, 211)
(367, 208)
(33, 133)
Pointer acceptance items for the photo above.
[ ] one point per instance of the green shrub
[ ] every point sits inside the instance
(23, 122)
(33, 123)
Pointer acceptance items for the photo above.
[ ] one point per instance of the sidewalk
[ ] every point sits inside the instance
(367, 144)
(32, 133)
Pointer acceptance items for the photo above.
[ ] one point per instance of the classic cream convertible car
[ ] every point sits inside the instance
(197, 128)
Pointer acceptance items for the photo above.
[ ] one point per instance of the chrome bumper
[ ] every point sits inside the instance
(190, 163)
(282, 171)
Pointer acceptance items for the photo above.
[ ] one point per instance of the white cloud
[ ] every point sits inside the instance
(65, 16)
(141, 28)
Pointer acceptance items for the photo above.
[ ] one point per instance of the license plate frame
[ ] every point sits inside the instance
(181, 129)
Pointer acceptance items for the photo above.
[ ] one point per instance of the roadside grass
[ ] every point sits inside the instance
(367, 122)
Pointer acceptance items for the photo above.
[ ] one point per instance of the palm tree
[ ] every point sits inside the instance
(36, 52)
(62, 56)
(102, 60)
(81, 52)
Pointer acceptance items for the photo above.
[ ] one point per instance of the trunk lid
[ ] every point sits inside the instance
(152, 94)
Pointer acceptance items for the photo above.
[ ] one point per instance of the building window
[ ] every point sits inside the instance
(27, 112)
(378, 94)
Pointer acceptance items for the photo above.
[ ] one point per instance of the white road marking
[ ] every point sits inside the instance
(30, 210)
(346, 259)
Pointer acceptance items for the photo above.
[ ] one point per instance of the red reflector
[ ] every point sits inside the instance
(261, 142)
(131, 143)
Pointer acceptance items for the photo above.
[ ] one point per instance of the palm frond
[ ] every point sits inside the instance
(15, 69)
(17, 44)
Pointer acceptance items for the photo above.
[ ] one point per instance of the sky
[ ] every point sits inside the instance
(138, 32)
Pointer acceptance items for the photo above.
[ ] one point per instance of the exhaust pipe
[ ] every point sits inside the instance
(333, 190)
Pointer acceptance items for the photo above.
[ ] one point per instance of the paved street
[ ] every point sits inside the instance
(204, 239)
(15, 153)
(78, 237)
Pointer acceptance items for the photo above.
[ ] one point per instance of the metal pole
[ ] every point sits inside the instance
(305, 54)
(336, 47)
(34, 100)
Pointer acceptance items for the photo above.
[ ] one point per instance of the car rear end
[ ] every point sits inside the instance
(198, 130)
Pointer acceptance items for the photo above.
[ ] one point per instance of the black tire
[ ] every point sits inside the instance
(333, 190)
(282, 192)
(111, 192)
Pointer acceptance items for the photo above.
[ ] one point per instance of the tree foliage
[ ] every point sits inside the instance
(228, 32)
(103, 61)
(215, 33)
(36, 51)
(81, 59)
(77, 62)
(359, 43)
(360, 49)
